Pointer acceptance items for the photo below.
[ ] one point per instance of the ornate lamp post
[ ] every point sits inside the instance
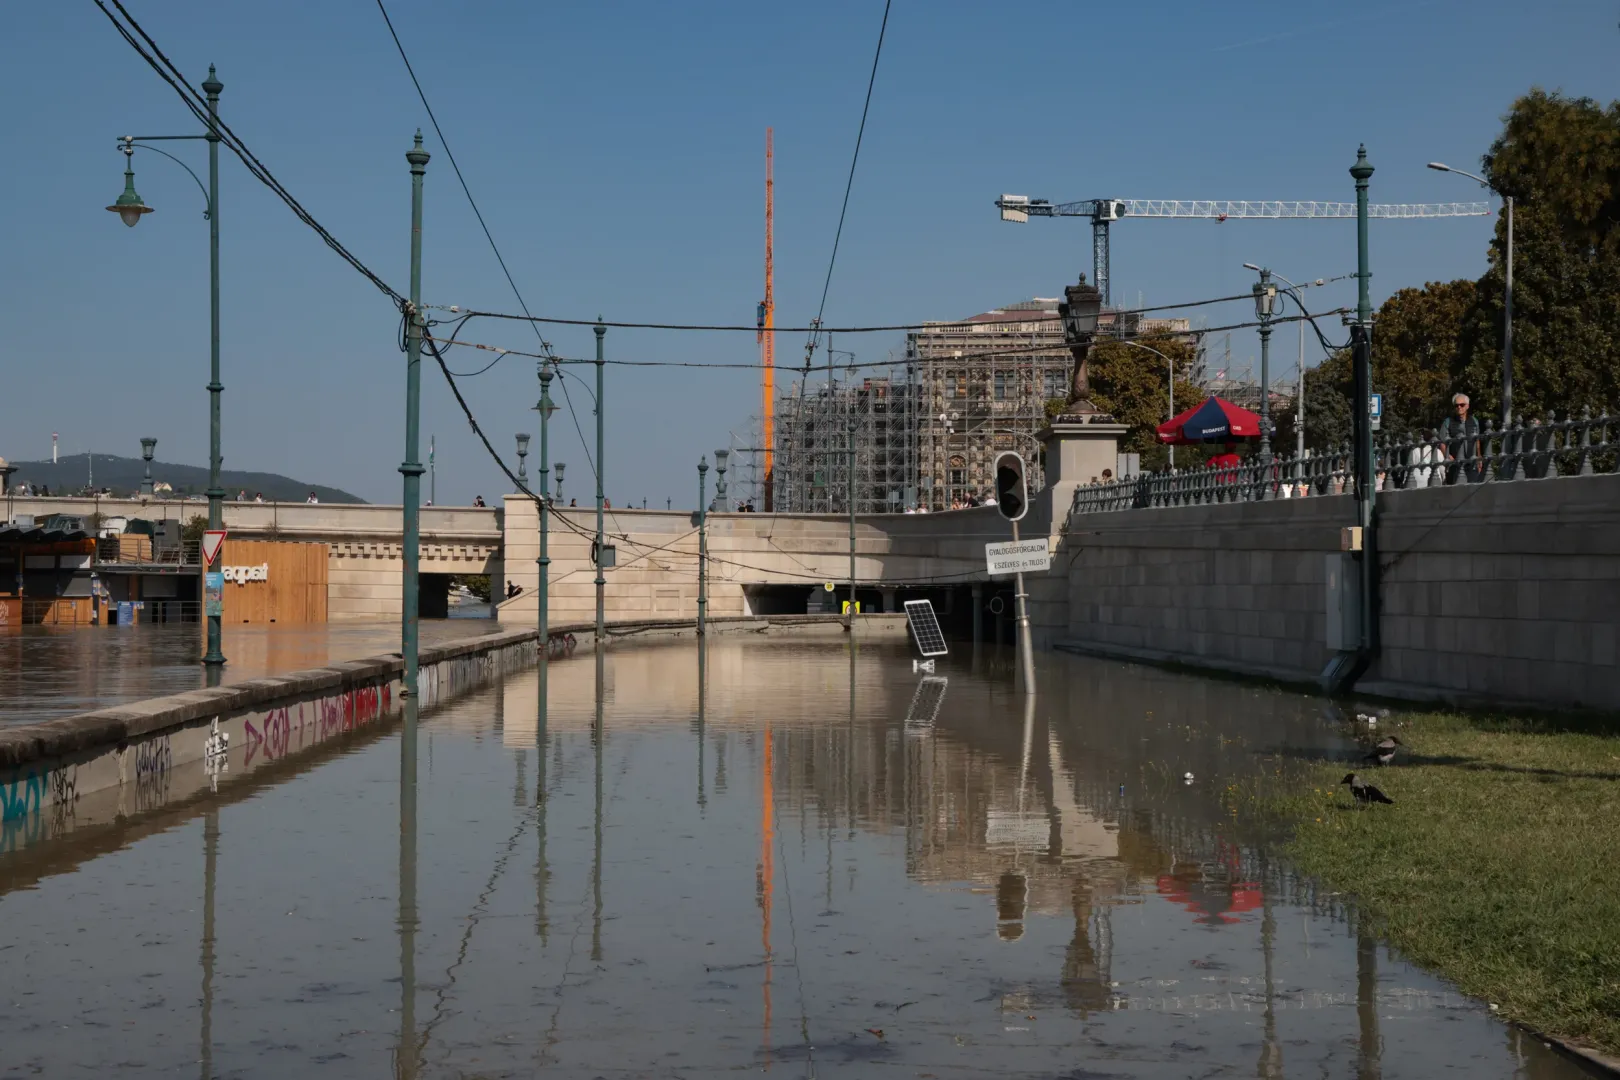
(1265, 308)
(561, 465)
(1081, 305)
(545, 407)
(130, 209)
(703, 545)
(720, 457)
(523, 455)
(148, 446)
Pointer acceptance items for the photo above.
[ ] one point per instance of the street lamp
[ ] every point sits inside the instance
(148, 446)
(523, 454)
(545, 408)
(1507, 298)
(130, 209)
(720, 459)
(1265, 305)
(703, 545)
(1172, 367)
(1081, 305)
(561, 465)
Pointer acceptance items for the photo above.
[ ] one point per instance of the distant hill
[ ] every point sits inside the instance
(71, 475)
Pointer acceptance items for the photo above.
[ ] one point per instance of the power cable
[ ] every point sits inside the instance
(850, 183)
(195, 102)
(1034, 316)
(545, 346)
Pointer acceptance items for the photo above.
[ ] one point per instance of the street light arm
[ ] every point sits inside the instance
(1438, 167)
(208, 205)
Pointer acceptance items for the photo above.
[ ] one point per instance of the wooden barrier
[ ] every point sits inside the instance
(282, 582)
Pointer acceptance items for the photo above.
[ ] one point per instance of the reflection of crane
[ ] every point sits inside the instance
(1104, 211)
(767, 335)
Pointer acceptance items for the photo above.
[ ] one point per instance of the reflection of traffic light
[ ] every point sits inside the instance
(1012, 491)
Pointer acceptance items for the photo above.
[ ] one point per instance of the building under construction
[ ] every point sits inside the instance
(971, 389)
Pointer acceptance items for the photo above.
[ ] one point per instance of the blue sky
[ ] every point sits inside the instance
(616, 151)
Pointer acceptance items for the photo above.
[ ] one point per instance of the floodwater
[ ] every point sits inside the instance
(51, 671)
(814, 862)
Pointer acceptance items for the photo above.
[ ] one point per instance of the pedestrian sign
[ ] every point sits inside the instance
(1375, 409)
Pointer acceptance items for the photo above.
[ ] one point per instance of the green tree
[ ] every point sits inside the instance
(1132, 384)
(1560, 160)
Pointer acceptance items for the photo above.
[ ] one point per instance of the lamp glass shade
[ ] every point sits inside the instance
(523, 444)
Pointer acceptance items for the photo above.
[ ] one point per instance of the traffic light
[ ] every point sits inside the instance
(1012, 491)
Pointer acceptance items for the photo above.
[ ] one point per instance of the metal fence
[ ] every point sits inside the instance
(139, 550)
(1528, 450)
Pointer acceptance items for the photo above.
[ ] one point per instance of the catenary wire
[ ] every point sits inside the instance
(198, 106)
(545, 346)
(849, 184)
(753, 329)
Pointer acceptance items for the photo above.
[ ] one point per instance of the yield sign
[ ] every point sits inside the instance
(211, 541)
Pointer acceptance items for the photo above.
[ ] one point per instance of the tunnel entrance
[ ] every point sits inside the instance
(434, 596)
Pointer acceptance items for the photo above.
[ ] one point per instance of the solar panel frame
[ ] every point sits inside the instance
(925, 704)
(925, 629)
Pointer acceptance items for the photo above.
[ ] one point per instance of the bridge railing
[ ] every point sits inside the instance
(1536, 449)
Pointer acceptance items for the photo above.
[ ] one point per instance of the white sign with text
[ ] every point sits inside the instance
(244, 574)
(1018, 556)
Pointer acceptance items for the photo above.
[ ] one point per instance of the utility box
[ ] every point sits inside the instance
(1343, 581)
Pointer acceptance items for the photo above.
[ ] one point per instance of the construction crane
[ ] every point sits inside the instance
(1103, 212)
(767, 336)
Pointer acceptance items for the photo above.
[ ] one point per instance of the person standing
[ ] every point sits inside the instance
(1462, 445)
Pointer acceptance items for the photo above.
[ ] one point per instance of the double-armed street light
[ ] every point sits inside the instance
(130, 208)
(1265, 308)
(1507, 297)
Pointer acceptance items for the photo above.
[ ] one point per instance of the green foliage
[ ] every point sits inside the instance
(1132, 384)
(1494, 867)
(1560, 159)
(477, 584)
(1055, 407)
(192, 531)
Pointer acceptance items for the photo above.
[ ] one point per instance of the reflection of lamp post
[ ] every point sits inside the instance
(130, 210)
(147, 447)
(1265, 305)
(1079, 310)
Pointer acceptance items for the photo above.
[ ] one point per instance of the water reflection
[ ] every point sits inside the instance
(50, 671)
(930, 873)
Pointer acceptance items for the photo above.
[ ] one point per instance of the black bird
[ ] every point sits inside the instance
(1384, 752)
(1364, 792)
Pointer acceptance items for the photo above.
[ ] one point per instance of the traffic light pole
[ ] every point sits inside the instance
(1026, 658)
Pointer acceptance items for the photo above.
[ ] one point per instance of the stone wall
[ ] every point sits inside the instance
(1491, 594)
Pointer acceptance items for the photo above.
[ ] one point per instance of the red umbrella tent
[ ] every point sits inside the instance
(1216, 420)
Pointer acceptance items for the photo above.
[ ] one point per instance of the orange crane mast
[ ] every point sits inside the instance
(767, 337)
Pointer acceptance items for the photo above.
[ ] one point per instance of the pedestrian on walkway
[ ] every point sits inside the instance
(1462, 446)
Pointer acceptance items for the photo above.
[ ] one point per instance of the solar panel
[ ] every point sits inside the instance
(925, 628)
(925, 703)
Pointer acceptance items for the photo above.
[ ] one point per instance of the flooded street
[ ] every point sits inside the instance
(812, 862)
(49, 671)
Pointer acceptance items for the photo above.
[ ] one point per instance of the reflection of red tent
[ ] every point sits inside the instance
(1216, 420)
(1213, 902)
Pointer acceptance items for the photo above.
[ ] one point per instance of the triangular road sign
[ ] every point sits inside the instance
(211, 541)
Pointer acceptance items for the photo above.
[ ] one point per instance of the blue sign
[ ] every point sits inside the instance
(214, 592)
(1375, 406)
(126, 613)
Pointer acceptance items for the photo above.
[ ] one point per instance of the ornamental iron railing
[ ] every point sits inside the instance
(1480, 453)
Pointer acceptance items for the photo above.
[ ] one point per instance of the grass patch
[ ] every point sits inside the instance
(1498, 867)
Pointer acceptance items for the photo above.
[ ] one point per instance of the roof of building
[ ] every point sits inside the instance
(11, 534)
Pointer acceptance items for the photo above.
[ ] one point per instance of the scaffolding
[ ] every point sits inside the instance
(971, 389)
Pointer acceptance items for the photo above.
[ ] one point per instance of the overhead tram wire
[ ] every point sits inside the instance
(849, 184)
(195, 102)
(1014, 350)
(545, 346)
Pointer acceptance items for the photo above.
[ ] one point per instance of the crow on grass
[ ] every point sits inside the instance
(1364, 792)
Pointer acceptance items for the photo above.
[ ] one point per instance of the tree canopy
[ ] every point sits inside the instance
(1559, 158)
(1131, 384)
